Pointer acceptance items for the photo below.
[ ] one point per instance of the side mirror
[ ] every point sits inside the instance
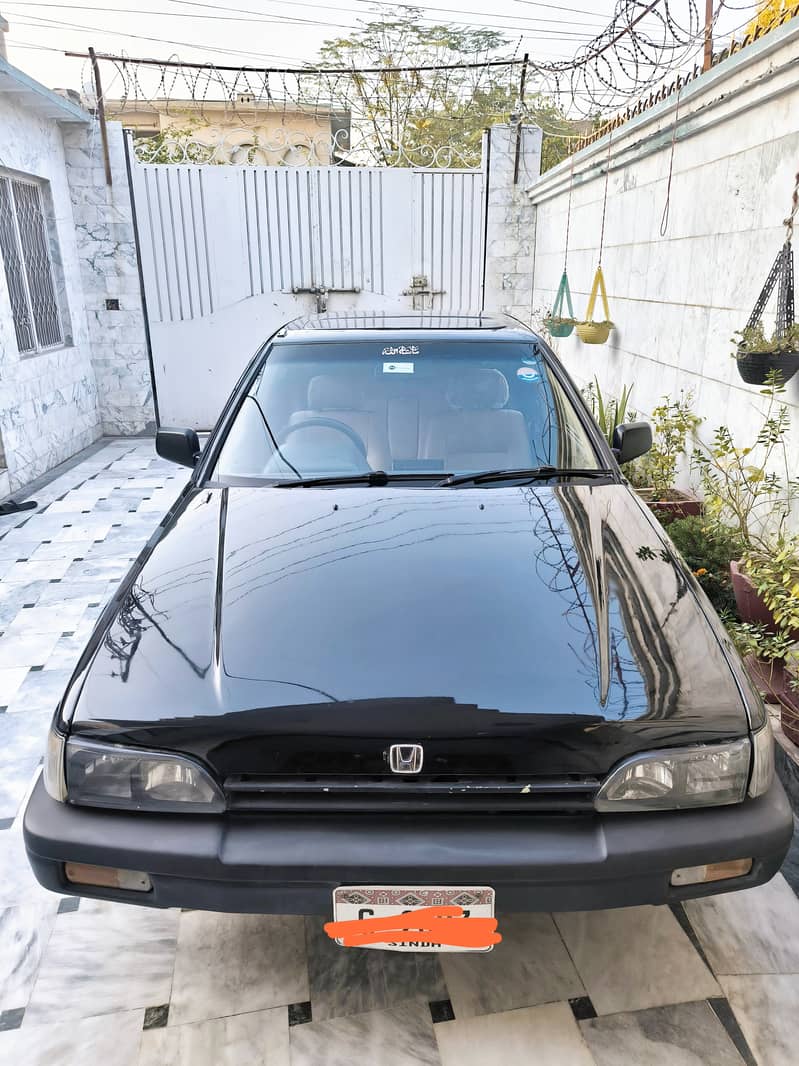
(178, 446)
(630, 440)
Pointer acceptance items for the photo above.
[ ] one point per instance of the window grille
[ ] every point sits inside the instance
(28, 267)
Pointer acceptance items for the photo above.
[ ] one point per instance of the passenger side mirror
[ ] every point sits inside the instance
(630, 440)
(178, 446)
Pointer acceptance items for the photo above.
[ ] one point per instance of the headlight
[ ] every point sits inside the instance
(102, 775)
(705, 776)
(762, 761)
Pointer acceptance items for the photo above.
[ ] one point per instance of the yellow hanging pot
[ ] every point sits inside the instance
(589, 331)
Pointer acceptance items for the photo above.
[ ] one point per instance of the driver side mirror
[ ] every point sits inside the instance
(630, 440)
(178, 446)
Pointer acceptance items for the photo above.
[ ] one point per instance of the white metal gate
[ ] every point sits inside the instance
(229, 253)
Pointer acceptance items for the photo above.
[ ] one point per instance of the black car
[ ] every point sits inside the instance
(407, 636)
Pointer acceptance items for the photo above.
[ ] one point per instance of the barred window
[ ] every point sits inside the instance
(25, 249)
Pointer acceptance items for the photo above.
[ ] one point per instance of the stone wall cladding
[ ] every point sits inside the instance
(510, 233)
(49, 407)
(108, 268)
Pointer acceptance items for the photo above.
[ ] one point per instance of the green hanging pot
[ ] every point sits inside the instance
(556, 323)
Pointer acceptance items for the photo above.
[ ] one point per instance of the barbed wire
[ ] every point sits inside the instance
(403, 114)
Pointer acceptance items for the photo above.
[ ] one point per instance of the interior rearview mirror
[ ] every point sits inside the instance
(178, 446)
(630, 440)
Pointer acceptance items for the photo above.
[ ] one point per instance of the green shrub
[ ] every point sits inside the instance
(708, 552)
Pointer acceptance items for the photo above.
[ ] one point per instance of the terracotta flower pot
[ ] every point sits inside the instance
(676, 504)
(750, 604)
(768, 677)
(751, 607)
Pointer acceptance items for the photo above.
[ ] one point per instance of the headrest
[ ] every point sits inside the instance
(329, 392)
(478, 389)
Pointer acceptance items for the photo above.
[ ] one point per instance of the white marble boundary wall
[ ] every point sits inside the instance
(108, 270)
(677, 299)
(48, 400)
(511, 219)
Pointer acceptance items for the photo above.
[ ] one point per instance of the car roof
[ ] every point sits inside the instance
(368, 324)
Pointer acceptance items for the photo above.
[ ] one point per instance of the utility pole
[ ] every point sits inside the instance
(708, 61)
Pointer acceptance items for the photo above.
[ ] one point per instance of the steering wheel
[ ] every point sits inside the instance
(329, 423)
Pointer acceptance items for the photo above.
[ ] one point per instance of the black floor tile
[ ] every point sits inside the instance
(582, 1008)
(156, 1017)
(299, 1013)
(720, 1006)
(441, 1010)
(11, 1019)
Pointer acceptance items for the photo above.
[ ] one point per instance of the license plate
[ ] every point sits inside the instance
(360, 902)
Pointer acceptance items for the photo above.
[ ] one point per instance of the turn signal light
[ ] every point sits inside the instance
(79, 873)
(714, 871)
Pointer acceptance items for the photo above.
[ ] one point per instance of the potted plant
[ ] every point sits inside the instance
(609, 411)
(751, 489)
(758, 356)
(557, 324)
(653, 476)
(772, 661)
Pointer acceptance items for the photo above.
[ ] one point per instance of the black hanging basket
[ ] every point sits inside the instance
(755, 365)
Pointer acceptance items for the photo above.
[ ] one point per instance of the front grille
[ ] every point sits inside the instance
(376, 793)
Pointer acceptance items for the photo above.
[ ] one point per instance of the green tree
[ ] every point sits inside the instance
(431, 117)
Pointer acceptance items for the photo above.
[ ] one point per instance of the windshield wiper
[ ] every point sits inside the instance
(373, 477)
(536, 473)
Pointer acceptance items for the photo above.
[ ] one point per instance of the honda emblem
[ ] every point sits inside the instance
(405, 758)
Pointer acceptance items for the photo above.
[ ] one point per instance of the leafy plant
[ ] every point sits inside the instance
(749, 487)
(754, 339)
(609, 411)
(776, 578)
(673, 421)
(708, 553)
(752, 638)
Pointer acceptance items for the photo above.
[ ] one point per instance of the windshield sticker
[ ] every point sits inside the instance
(527, 373)
(401, 349)
(397, 368)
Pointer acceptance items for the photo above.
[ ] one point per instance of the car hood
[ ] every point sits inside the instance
(549, 628)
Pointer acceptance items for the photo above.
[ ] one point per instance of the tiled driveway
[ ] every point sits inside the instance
(711, 984)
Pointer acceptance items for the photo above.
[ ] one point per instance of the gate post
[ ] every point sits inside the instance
(510, 218)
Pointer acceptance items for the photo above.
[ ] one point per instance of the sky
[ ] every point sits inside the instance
(279, 31)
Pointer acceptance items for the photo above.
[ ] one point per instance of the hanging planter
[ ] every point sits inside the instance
(589, 331)
(556, 323)
(759, 356)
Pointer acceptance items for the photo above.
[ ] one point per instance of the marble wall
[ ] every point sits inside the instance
(49, 406)
(689, 238)
(109, 278)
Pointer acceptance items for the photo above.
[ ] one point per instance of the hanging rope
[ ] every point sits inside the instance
(605, 200)
(569, 210)
(664, 221)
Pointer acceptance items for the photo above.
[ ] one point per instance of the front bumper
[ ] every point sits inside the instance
(290, 864)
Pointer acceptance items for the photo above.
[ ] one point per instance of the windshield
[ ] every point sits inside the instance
(404, 407)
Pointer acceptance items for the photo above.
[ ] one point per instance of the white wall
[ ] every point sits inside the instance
(677, 299)
(48, 401)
